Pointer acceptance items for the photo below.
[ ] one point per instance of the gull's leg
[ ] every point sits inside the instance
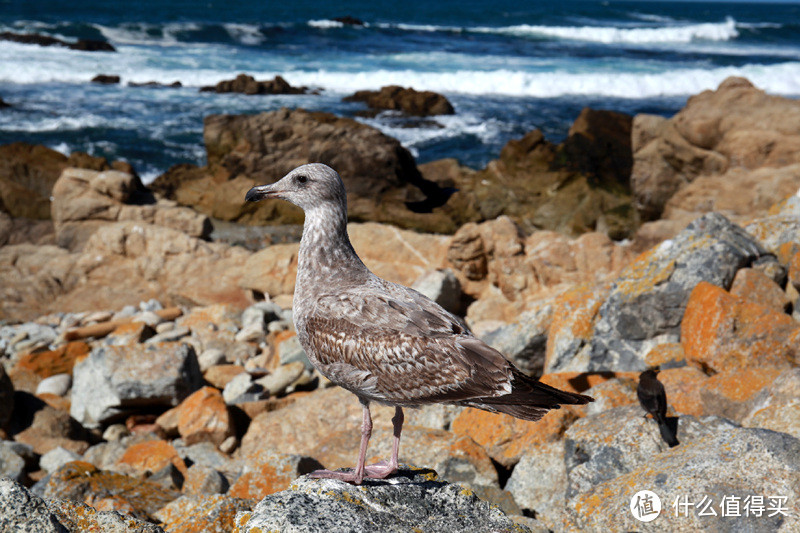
(383, 469)
(357, 475)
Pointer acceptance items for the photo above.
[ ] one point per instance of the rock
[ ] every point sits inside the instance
(86, 45)
(53, 428)
(290, 351)
(715, 467)
(413, 500)
(114, 379)
(204, 417)
(720, 332)
(12, 464)
(56, 458)
(23, 511)
(755, 286)
(27, 175)
(246, 84)
(539, 481)
(106, 79)
(210, 358)
(735, 126)
(81, 482)
(84, 200)
(730, 393)
(216, 512)
(279, 380)
(115, 517)
(407, 100)
(266, 473)
(647, 302)
(593, 192)
(776, 406)
(203, 480)
(220, 375)
(242, 388)
(149, 456)
(443, 287)
(382, 180)
(58, 384)
(525, 341)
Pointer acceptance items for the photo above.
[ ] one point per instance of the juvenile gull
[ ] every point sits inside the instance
(382, 341)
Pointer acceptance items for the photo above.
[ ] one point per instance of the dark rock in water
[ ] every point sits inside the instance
(174, 84)
(412, 500)
(347, 20)
(4, 104)
(249, 85)
(106, 79)
(86, 45)
(407, 100)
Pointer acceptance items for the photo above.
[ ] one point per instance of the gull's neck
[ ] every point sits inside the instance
(326, 255)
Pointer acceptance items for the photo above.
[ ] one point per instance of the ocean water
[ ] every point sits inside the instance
(507, 67)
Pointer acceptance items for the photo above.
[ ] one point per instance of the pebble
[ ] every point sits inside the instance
(58, 384)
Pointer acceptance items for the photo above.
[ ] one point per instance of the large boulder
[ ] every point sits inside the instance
(249, 85)
(413, 500)
(723, 142)
(575, 187)
(382, 180)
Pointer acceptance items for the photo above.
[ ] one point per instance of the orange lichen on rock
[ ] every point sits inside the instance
(721, 332)
(682, 386)
(52, 362)
(151, 456)
(204, 417)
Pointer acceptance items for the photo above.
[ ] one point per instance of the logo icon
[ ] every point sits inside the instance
(645, 506)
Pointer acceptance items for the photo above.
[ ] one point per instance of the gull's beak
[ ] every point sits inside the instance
(259, 192)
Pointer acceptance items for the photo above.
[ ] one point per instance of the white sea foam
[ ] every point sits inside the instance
(325, 23)
(723, 31)
(781, 78)
(249, 34)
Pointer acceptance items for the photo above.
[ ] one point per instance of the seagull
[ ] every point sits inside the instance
(382, 341)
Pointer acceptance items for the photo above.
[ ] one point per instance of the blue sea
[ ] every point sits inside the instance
(507, 66)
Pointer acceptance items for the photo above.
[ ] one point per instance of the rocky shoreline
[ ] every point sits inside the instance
(151, 379)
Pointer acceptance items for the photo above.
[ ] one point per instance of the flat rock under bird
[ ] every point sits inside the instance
(382, 341)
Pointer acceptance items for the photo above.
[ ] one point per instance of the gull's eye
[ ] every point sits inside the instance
(301, 179)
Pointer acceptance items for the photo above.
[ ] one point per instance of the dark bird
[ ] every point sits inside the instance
(382, 341)
(653, 399)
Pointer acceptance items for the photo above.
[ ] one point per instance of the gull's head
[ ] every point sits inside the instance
(307, 186)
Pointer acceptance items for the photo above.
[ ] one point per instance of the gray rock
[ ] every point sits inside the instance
(441, 286)
(604, 446)
(57, 457)
(739, 463)
(414, 500)
(242, 388)
(539, 482)
(647, 301)
(277, 382)
(261, 313)
(115, 379)
(151, 319)
(524, 342)
(211, 513)
(151, 305)
(12, 464)
(209, 358)
(21, 511)
(115, 432)
(204, 480)
(290, 351)
(777, 407)
(251, 333)
(58, 384)
(433, 416)
(170, 335)
(79, 517)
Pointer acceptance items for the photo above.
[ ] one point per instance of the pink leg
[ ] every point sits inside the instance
(383, 469)
(379, 470)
